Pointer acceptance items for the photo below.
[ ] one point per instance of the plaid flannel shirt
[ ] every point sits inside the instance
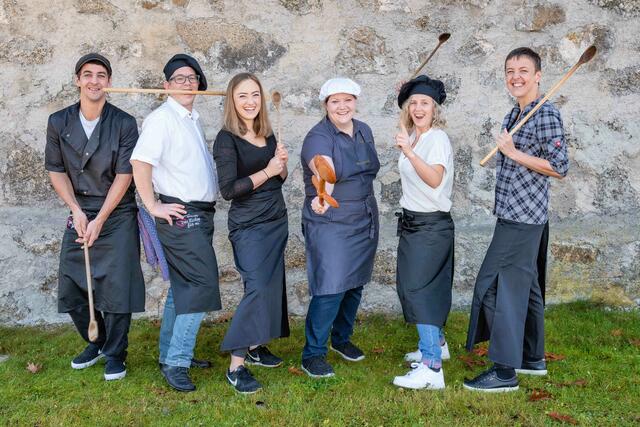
(522, 194)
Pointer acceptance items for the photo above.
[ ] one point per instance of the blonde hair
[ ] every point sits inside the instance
(232, 121)
(437, 121)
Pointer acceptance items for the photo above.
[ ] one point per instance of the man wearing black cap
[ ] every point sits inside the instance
(87, 155)
(172, 159)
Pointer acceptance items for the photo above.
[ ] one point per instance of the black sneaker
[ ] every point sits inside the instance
(89, 357)
(537, 368)
(317, 367)
(261, 356)
(200, 363)
(177, 377)
(489, 382)
(114, 370)
(348, 351)
(242, 380)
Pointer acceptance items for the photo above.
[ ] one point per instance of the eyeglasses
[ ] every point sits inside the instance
(180, 79)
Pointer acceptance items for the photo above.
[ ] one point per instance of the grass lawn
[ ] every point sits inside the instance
(596, 383)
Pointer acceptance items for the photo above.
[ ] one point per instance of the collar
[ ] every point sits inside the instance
(530, 105)
(181, 111)
(336, 131)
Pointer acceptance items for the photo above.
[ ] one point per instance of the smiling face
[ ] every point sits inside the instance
(190, 83)
(522, 78)
(91, 79)
(247, 101)
(421, 111)
(340, 108)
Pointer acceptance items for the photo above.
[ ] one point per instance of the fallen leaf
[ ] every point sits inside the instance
(295, 371)
(480, 351)
(634, 341)
(34, 368)
(156, 323)
(562, 418)
(470, 362)
(553, 357)
(378, 350)
(159, 391)
(616, 332)
(539, 394)
(576, 383)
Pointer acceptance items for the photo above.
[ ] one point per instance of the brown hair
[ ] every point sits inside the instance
(527, 52)
(437, 121)
(232, 122)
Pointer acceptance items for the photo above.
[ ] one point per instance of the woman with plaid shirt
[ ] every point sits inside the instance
(507, 306)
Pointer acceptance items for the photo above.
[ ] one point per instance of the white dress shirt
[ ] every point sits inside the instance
(435, 149)
(173, 143)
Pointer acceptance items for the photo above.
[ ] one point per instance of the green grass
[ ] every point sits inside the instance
(600, 348)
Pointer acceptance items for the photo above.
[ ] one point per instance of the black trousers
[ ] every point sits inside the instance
(113, 331)
(533, 343)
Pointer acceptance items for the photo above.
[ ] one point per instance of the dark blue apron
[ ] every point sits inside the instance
(341, 244)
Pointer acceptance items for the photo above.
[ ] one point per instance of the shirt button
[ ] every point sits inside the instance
(85, 192)
(81, 170)
(86, 154)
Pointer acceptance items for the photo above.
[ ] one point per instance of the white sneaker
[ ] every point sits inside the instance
(416, 356)
(420, 376)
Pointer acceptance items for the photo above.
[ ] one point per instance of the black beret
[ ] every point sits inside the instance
(422, 85)
(90, 57)
(181, 60)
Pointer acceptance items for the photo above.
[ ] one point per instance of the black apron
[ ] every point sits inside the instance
(116, 274)
(193, 268)
(424, 274)
(258, 243)
(511, 262)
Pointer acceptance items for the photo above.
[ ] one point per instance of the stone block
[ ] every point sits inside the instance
(537, 16)
(626, 8)
(231, 46)
(474, 51)
(95, 7)
(623, 81)
(574, 253)
(301, 7)
(363, 51)
(25, 51)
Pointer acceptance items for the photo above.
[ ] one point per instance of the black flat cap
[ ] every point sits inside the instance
(89, 57)
(422, 85)
(181, 60)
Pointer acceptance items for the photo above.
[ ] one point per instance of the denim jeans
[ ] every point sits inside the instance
(178, 335)
(431, 340)
(333, 314)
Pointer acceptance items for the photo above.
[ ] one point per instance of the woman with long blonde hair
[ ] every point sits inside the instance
(252, 167)
(424, 275)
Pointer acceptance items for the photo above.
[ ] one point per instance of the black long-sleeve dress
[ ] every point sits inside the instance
(258, 231)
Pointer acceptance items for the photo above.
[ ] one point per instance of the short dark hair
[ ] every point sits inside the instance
(96, 62)
(529, 53)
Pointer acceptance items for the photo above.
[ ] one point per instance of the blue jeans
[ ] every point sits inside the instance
(178, 335)
(431, 339)
(333, 314)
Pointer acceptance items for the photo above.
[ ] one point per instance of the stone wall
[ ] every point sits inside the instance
(294, 46)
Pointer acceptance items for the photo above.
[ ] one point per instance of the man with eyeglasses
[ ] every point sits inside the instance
(87, 156)
(172, 159)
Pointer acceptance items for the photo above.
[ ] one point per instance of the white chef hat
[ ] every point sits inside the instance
(339, 85)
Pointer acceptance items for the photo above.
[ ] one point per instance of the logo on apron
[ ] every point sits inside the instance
(189, 221)
(70, 223)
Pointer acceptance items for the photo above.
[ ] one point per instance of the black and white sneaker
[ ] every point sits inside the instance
(261, 356)
(489, 382)
(348, 351)
(317, 367)
(114, 370)
(89, 357)
(537, 368)
(242, 380)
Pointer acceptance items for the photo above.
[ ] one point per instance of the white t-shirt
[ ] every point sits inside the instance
(88, 125)
(173, 143)
(435, 149)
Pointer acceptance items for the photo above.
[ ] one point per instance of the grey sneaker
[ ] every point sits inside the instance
(317, 367)
(537, 368)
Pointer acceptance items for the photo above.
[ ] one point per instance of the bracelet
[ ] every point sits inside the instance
(265, 172)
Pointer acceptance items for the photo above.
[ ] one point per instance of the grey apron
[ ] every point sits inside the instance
(258, 251)
(341, 244)
(193, 268)
(116, 274)
(424, 274)
(511, 264)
